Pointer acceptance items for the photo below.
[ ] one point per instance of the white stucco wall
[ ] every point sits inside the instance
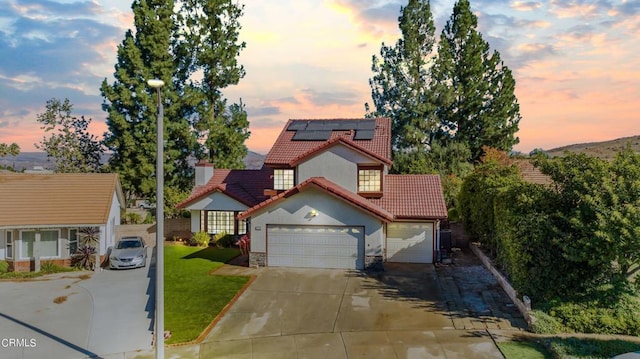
(108, 230)
(338, 164)
(195, 221)
(331, 211)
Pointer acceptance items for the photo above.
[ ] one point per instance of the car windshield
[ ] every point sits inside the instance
(129, 244)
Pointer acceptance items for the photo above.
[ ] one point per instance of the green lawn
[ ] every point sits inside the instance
(193, 297)
(524, 350)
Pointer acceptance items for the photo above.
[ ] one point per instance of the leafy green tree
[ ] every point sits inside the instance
(476, 102)
(144, 54)
(70, 145)
(9, 149)
(619, 216)
(581, 208)
(401, 88)
(207, 49)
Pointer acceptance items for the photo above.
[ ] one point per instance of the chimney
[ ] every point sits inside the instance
(204, 172)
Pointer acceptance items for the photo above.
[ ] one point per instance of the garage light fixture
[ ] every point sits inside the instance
(313, 213)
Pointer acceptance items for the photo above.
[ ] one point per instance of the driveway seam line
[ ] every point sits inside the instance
(93, 303)
(344, 291)
(344, 345)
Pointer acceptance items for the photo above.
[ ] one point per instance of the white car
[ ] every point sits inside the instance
(146, 205)
(129, 252)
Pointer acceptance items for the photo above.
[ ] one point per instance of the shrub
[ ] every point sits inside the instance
(223, 240)
(543, 323)
(84, 258)
(200, 239)
(48, 267)
(149, 219)
(621, 317)
(4, 266)
(132, 218)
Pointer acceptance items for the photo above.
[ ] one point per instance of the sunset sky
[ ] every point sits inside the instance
(575, 62)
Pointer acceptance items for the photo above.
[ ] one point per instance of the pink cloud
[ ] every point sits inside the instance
(526, 5)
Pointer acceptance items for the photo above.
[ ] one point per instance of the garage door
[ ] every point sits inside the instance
(410, 242)
(315, 246)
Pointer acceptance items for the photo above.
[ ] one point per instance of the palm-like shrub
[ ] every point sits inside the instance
(85, 256)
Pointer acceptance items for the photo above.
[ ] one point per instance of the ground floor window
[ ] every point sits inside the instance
(73, 241)
(222, 221)
(9, 244)
(49, 243)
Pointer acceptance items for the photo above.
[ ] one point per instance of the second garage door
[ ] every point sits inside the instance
(410, 242)
(315, 246)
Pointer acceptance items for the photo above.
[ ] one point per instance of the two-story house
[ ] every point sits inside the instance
(324, 199)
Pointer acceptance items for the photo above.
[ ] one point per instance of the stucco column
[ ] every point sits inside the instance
(36, 252)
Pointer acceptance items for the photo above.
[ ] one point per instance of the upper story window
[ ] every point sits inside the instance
(283, 178)
(370, 179)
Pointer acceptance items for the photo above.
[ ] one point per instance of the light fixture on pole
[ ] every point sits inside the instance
(159, 330)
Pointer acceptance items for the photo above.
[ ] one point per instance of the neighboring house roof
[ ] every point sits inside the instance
(532, 174)
(245, 186)
(329, 187)
(413, 197)
(57, 199)
(286, 150)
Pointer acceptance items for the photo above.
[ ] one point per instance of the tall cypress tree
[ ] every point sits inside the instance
(132, 106)
(476, 100)
(401, 87)
(208, 46)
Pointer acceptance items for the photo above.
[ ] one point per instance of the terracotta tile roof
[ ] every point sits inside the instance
(413, 197)
(285, 150)
(333, 142)
(57, 199)
(532, 174)
(330, 188)
(245, 186)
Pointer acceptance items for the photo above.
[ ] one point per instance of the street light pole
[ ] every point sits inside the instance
(159, 330)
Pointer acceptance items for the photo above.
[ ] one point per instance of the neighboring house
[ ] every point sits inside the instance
(41, 215)
(532, 174)
(324, 199)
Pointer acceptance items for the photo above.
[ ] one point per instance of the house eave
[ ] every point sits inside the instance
(50, 226)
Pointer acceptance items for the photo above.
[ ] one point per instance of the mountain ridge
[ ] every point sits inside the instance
(30, 160)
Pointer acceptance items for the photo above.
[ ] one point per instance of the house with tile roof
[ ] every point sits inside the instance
(324, 199)
(42, 214)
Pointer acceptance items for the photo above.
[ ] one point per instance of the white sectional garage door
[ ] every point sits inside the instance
(315, 246)
(410, 242)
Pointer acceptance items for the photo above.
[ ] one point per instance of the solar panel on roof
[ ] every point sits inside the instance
(364, 135)
(318, 125)
(366, 125)
(297, 125)
(344, 125)
(311, 135)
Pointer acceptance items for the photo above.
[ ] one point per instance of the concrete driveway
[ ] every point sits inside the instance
(78, 314)
(311, 313)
